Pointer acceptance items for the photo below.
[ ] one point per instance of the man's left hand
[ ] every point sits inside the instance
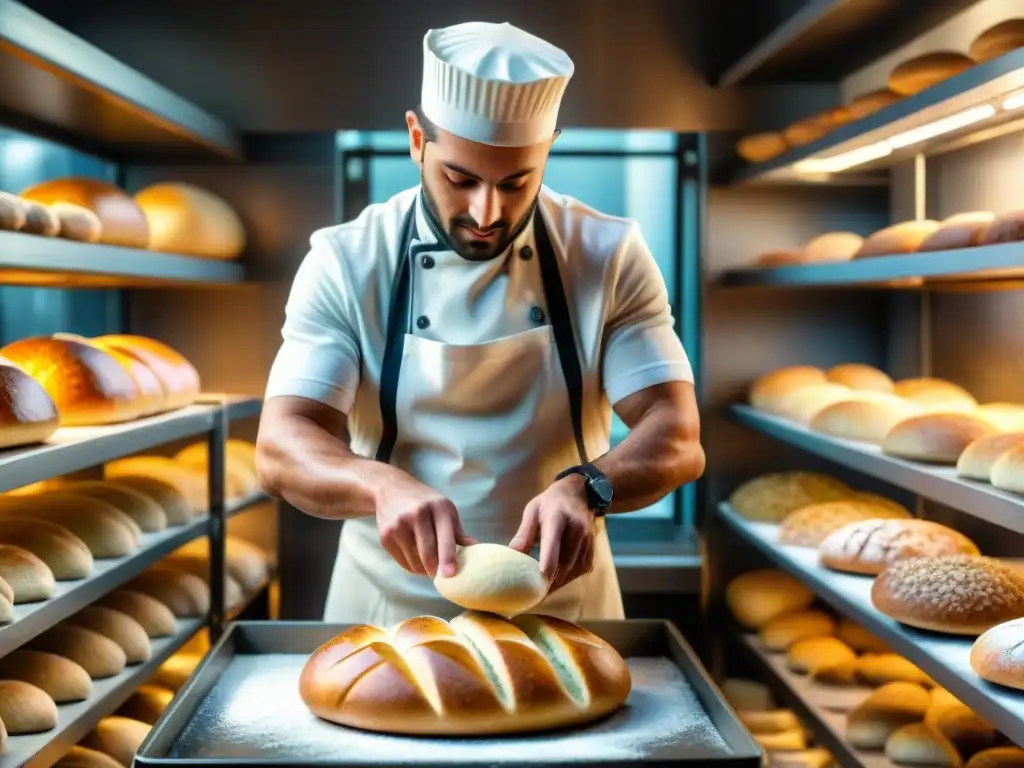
(567, 527)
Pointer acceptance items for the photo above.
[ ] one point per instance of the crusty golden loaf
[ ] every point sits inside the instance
(769, 387)
(997, 40)
(179, 377)
(860, 376)
(937, 438)
(772, 497)
(904, 237)
(978, 458)
(185, 218)
(782, 631)
(475, 675)
(123, 222)
(936, 394)
(756, 597)
(868, 546)
(862, 419)
(921, 72)
(811, 525)
(28, 414)
(870, 724)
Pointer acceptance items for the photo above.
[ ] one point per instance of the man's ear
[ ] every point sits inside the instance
(416, 137)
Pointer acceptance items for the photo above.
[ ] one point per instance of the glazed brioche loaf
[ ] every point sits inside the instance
(178, 376)
(185, 218)
(772, 497)
(756, 597)
(122, 221)
(998, 654)
(475, 675)
(938, 438)
(978, 458)
(28, 414)
(868, 546)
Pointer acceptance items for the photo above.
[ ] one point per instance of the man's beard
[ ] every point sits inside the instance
(475, 249)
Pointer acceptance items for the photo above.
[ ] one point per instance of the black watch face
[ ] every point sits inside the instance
(602, 489)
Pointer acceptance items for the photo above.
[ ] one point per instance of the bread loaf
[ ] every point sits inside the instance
(832, 247)
(119, 737)
(782, 631)
(868, 546)
(147, 704)
(179, 377)
(836, 673)
(995, 41)
(1006, 417)
(83, 757)
(105, 530)
(815, 757)
(936, 394)
(869, 103)
(938, 438)
(186, 594)
(478, 674)
(175, 672)
(878, 669)
(123, 222)
(747, 695)
(171, 498)
(199, 566)
(63, 680)
(810, 526)
(12, 212)
(246, 563)
(148, 515)
(240, 479)
(904, 237)
(1006, 228)
(155, 618)
(29, 577)
(77, 223)
(861, 377)
(784, 741)
(955, 594)
(756, 597)
(917, 744)
(886, 709)
(39, 220)
(88, 386)
(786, 258)
(768, 388)
(962, 230)
(66, 555)
(809, 654)
(772, 497)
(772, 721)
(100, 656)
(28, 414)
(24, 708)
(978, 458)
(998, 757)
(922, 72)
(805, 403)
(184, 218)
(6, 590)
(964, 729)
(119, 627)
(190, 483)
(998, 654)
(1008, 471)
(805, 131)
(859, 638)
(863, 420)
(493, 578)
(761, 147)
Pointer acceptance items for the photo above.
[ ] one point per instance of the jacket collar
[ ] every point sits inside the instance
(430, 232)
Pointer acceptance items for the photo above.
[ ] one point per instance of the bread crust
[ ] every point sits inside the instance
(936, 438)
(28, 414)
(868, 546)
(998, 654)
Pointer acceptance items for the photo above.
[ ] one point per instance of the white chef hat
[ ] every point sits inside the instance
(493, 83)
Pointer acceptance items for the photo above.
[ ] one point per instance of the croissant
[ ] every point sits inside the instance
(479, 674)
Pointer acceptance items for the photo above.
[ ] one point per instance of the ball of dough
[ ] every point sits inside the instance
(494, 578)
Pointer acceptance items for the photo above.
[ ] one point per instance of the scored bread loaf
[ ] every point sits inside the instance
(83, 757)
(878, 669)
(756, 597)
(88, 386)
(918, 744)
(105, 530)
(936, 438)
(66, 555)
(772, 497)
(811, 653)
(877, 717)
(998, 654)
(921, 72)
(904, 237)
(155, 618)
(979, 458)
(1007, 228)
(968, 732)
(747, 695)
(117, 736)
(148, 515)
(119, 627)
(493, 578)
(122, 221)
(100, 656)
(147, 703)
(868, 546)
(955, 594)
(185, 218)
(1006, 417)
(62, 679)
(936, 394)
(179, 377)
(862, 419)
(24, 708)
(997, 757)
(28, 414)
(811, 525)
(187, 480)
(172, 500)
(477, 674)
(760, 147)
(1008, 471)
(860, 376)
(962, 230)
(186, 594)
(997, 40)
(769, 387)
(175, 672)
(832, 246)
(782, 631)
(29, 578)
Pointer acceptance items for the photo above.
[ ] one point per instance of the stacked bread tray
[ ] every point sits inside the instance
(674, 713)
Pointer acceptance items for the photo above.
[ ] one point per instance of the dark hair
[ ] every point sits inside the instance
(429, 129)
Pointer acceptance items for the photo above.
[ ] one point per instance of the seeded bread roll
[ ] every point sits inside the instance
(922, 72)
(956, 594)
(66, 555)
(119, 627)
(769, 387)
(83, 757)
(962, 230)
(806, 655)
(772, 497)
(100, 656)
(119, 737)
(917, 744)
(771, 721)
(1006, 417)
(155, 618)
(886, 709)
(761, 147)
(861, 377)
(878, 669)
(24, 708)
(747, 695)
(62, 679)
(958, 723)
(186, 594)
(145, 511)
(978, 458)
(29, 577)
(1008, 471)
(106, 530)
(782, 631)
(868, 546)
(147, 703)
(832, 247)
(863, 420)
(936, 394)
(756, 597)
(936, 438)
(998, 40)
(904, 237)
(173, 500)
(810, 526)
(998, 654)
(998, 757)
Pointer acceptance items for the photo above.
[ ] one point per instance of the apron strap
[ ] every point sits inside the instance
(561, 325)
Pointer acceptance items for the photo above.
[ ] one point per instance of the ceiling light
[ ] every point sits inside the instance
(1016, 101)
(846, 160)
(939, 127)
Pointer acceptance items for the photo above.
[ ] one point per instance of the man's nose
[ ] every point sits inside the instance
(485, 207)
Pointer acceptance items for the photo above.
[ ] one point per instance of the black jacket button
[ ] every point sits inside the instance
(427, 262)
(422, 322)
(526, 253)
(537, 315)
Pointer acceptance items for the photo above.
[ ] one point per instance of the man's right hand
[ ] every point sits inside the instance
(419, 528)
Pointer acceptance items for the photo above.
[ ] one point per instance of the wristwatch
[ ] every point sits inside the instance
(597, 486)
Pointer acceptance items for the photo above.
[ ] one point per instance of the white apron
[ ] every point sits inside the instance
(487, 425)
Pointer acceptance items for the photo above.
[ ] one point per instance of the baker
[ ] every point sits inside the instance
(451, 357)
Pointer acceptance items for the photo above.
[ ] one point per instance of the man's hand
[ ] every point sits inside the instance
(567, 527)
(419, 528)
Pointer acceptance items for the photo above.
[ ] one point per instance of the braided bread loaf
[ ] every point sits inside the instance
(478, 674)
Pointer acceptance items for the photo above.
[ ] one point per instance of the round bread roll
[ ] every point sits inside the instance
(62, 679)
(186, 594)
(863, 420)
(574, 676)
(756, 597)
(878, 669)
(955, 594)
(153, 616)
(869, 103)
(964, 729)
(805, 403)
(810, 526)
(840, 673)
(832, 247)
(767, 389)
(88, 386)
(783, 741)
(868, 546)
(147, 703)
(24, 708)
(782, 631)
(998, 654)
(29, 577)
(1006, 417)
(123, 222)
(962, 230)
(779, 259)
(12, 212)
(871, 723)
(937, 438)
(807, 655)
(100, 656)
(860, 639)
(148, 515)
(119, 737)
(860, 376)
(28, 414)
(77, 223)
(83, 757)
(171, 498)
(105, 530)
(66, 555)
(904, 237)
(998, 757)
(119, 627)
(747, 695)
(1008, 471)
(771, 721)
(995, 41)
(917, 744)
(922, 72)
(772, 497)
(761, 147)
(980, 457)
(493, 578)
(1007, 228)
(175, 672)
(190, 483)
(184, 218)
(179, 377)
(39, 220)
(936, 394)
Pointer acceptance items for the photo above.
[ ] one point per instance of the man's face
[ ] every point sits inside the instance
(480, 194)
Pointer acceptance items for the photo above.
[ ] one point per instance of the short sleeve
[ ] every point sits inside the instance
(641, 347)
(319, 355)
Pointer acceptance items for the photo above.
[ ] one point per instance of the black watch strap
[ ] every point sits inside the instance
(596, 486)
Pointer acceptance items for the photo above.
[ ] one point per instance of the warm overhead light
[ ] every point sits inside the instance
(939, 127)
(846, 160)
(1016, 101)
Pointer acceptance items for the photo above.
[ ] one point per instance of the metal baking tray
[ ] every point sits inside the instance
(241, 706)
